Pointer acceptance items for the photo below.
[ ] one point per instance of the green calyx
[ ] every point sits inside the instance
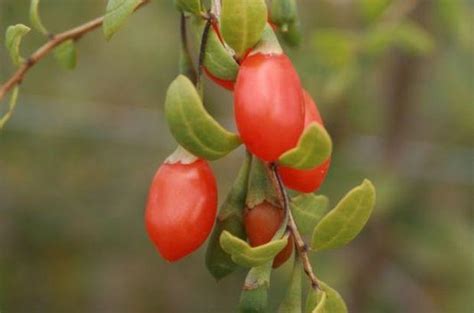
(190, 6)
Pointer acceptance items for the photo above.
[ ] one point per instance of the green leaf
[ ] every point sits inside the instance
(191, 6)
(245, 255)
(292, 301)
(284, 13)
(346, 220)
(308, 209)
(326, 301)
(35, 17)
(253, 298)
(11, 106)
(116, 14)
(218, 60)
(313, 148)
(13, 38)
(66, 54)
(230, 218)
(321, 303)
(192, 126)
(242, 23)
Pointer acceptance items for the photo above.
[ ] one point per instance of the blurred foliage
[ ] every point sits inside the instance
(394, 82)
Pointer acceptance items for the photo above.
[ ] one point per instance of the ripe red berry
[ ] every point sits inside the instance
(268, 105)
(181, 208)
(261, 224)
(306, 180)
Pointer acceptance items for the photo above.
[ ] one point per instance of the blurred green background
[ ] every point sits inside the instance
(394, 83)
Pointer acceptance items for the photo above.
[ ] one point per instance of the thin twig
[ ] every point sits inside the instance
(191, 71)
(54, 40)
(202, 49)
(301, 246)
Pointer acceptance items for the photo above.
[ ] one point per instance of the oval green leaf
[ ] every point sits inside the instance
(116, 15)
(191, 6)
(242, 23)
(192, 126)
(230, 218)
(13, 37)
(218, 60)
(292, 301)
(308, 209)
(326, 300)
(313, 148)
(245, 255)
(66, 54)
(346, 220)
(35, 17)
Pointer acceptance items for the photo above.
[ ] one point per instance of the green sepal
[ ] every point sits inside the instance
(218, 262)
(254, 296)
(326, 300)
(292, 301)
(308, 209)
(292, 37)
(66, 55)
(244, 255)
(116, 15)
(260, 186)
(313, 148)
(192, 126)
(242, 23)
(346, 220)
(218, 60)
(191, 6)
(13, 37)
(284, 13)
(35, 17)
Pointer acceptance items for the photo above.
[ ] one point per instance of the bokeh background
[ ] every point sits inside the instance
(394, 82)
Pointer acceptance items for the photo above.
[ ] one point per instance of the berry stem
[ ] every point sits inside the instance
(301, 246)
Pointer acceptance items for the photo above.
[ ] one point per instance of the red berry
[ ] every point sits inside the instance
(306, 180)
(269, 105)
(261, 224)
(181, 208)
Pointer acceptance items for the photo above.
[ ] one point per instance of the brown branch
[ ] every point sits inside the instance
(301, 246)
(54, 41)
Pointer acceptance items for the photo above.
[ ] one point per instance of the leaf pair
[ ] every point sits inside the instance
(192, 126)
